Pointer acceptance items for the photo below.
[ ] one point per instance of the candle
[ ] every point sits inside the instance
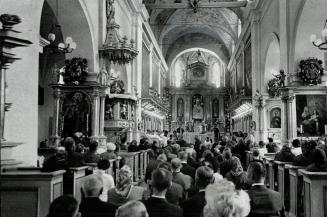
(301, 129)
(326, 130)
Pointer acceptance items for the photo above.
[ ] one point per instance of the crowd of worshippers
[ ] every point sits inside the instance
(192, 180)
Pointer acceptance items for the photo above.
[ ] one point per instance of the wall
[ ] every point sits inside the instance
(21, 122)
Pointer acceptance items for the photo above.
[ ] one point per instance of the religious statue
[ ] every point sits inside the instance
(197, 108)
(117, 87)
(110, 11)
(123, 111)
(109, 115)
(281, 78)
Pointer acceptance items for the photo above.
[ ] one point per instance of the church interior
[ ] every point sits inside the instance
(189, 106)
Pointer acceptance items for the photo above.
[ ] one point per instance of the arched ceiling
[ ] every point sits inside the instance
(219, 24)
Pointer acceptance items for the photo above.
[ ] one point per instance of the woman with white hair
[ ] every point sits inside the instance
(110, 153)
(125, 190)
(224, 201)
(132, 209)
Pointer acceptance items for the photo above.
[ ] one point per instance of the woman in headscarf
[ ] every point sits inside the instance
(237, 175)
(125, 190)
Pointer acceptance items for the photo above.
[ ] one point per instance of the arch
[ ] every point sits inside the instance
(272, 59)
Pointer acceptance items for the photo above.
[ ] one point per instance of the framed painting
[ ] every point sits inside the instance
(311, 115)
(275, 118)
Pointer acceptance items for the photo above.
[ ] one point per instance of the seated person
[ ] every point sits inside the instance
(64, 206)
(91, 155)
(262, 149)
(305, 159)
(222, 200)
(285, 154)
(296, 147)
(110, 153)
(271, 146)
(157, 205)
(91, 205)
(132, 209)
(175, 192)
(56, 161)
(178, 177)
(74, 159)
(133, 147)
(107, 179)
(319, 161)
(264, 202)
(193, 207)
(125, 190)
(237, 175)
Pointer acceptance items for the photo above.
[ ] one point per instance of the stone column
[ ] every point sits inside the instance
(101, 119)
(284, 125)
(57, 95)
(150, 65)
(95, 114)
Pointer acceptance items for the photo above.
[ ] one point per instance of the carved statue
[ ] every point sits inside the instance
(281, 78)
(117, 87)
(110, 11)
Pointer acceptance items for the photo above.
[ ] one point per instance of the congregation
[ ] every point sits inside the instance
(182, 179)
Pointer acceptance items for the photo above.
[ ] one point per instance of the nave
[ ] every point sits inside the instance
(163, 108)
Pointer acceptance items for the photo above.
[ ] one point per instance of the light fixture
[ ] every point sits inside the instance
(63, 47)
(318, 42)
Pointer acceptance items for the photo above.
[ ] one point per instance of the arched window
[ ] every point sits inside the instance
(216, 73)
(179, 70)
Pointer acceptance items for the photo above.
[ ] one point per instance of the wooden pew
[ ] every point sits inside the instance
(266, 162)
(283, 181)
(295, 195)
(272, 171)
(73, 179)
(133, 162)
(29, 192)
(315, 193)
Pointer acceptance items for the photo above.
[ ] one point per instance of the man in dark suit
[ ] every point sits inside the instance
(91, 205)
(153, 164)
(157, 205)
(185, 181)
(193, 207)
(264, 202)
(186, 168)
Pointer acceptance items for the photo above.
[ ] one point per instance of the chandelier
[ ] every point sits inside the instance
(318, 42)
(115, 48)
(63, 47)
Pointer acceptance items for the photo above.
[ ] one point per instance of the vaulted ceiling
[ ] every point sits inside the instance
(215, 28)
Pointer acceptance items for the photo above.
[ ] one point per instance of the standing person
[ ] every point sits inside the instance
(132, 209)
(193, 207)
(264, 201)
(178, 177)
(186, 168)
(237, 175)
(157, 205)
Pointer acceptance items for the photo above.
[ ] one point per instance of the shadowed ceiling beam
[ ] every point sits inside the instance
(200, 5)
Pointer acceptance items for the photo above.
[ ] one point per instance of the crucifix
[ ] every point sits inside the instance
(195, 5)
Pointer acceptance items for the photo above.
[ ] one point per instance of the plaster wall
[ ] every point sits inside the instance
(21, 122)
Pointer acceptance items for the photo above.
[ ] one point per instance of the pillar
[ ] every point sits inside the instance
(101, 119)
(57, 95)
(95, 114)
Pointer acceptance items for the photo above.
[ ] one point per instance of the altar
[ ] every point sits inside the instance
(189, 137)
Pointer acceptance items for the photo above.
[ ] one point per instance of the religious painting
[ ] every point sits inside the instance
(215, 108)
(197, 107)
(180, 109)
(311, 115)
(76, 113)
(275, 118)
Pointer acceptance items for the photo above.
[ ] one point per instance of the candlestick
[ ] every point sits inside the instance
(326, 130)
(301, 129)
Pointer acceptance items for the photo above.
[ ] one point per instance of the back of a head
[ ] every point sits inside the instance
(69, 144)
(165, 165)
(161, 179)
(270, 139)
(204, 176)
(162, 158)
(236, 163)
(255, 153)
(223, 200)
(319, 157)
(256, 171)
(132, 209)
(296, 143)
(227, 154)
(93, 145)
(176, 163)
(92, 186)
(183, 155)
(63, 206)
(261, 144)
(103, 164)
